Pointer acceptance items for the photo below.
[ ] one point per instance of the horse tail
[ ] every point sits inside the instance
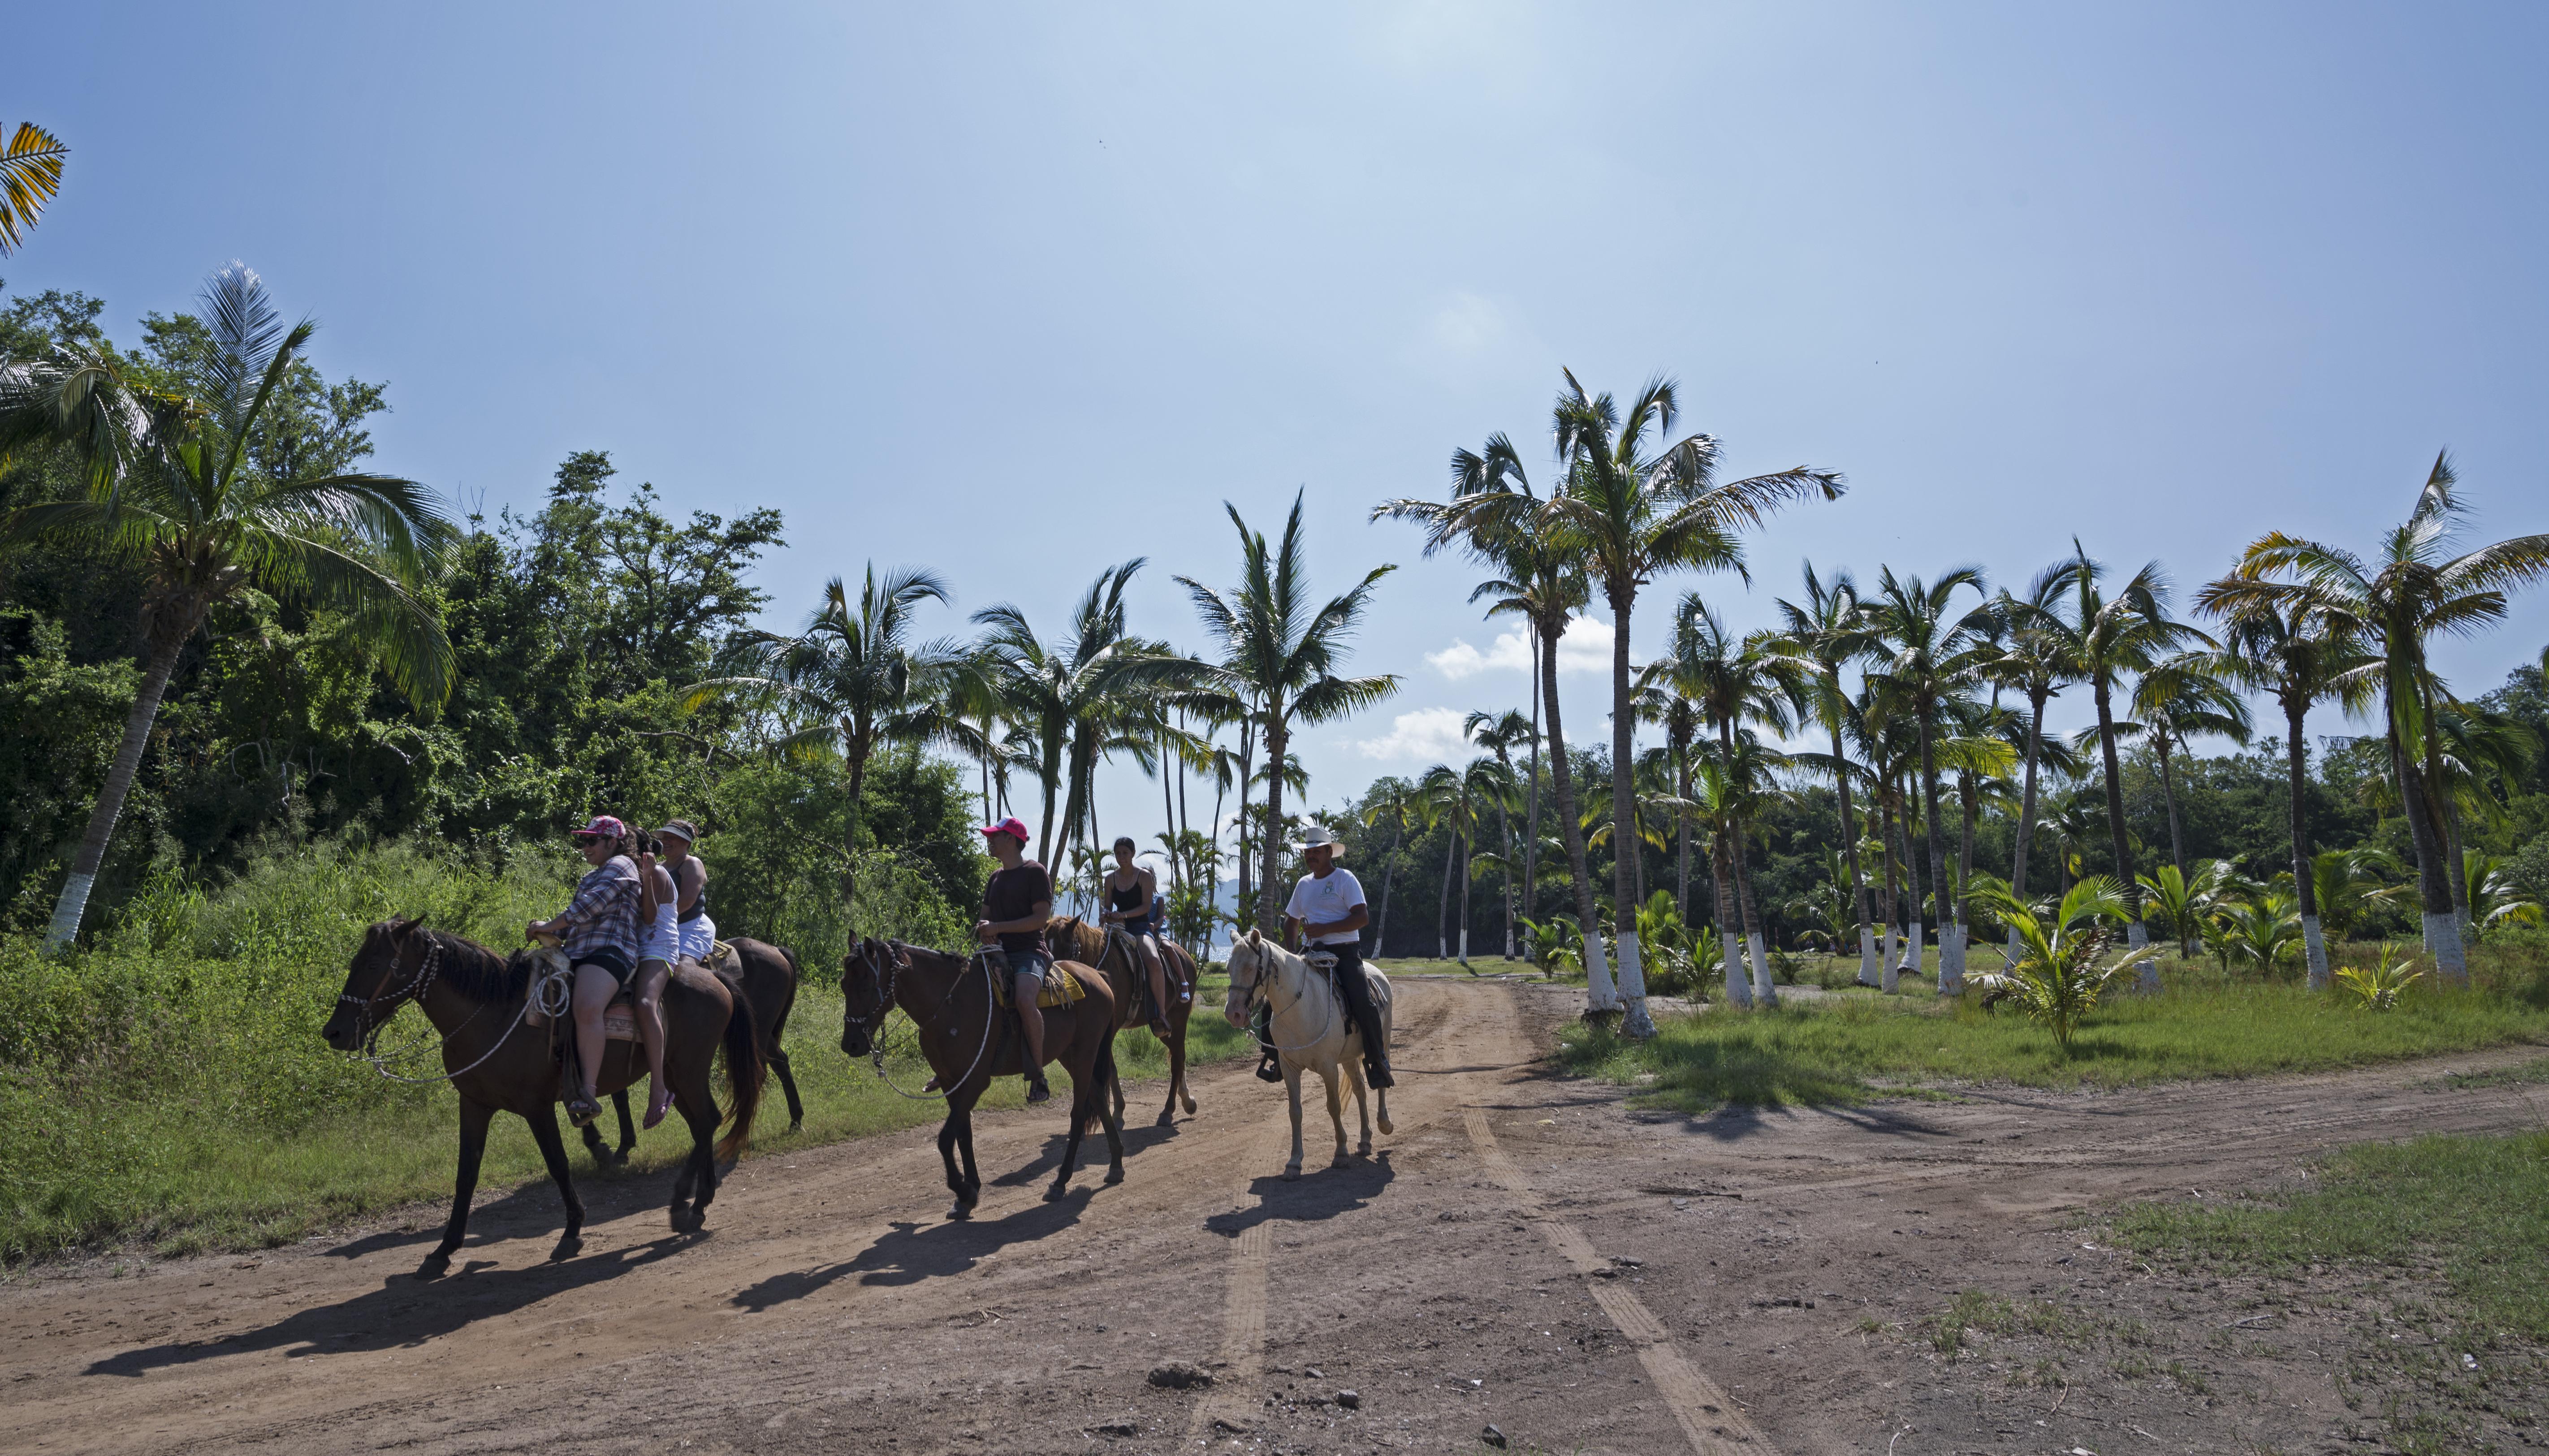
(743, 1074)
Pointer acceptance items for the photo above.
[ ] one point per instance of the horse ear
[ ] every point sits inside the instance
(406, 926)
(1256, 938)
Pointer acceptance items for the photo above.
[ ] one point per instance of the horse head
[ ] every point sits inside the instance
(1070, 938)
(385, 970)
(867, 976)
(1249, 960)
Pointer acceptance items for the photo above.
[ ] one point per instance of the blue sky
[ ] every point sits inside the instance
(1018, 293)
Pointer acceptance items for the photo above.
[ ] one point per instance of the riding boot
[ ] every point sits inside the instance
(1262, 1026)
(1376, 1049)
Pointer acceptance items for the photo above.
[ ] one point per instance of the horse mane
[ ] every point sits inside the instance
(479, 973)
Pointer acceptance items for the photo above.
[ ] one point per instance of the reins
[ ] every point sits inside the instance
(415, 992)
(886, 1003)
(1263, 990)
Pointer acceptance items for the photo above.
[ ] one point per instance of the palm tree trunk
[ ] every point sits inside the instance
(858, 756)
(1885, 837)
(1504, 830)
(2026, 809)
(1764, 989)
(1388, 870)
(1443, 910)
(1964, 866)
(2434, 874)
(1681, 825)
(1634, 1020)
(1247, 767)
(2168, 791)
(1952, 978)
(1531, 829)
(1277, 736)
(1598, 993)
(1049, 776)
(73, 904)
(1869, 974)
(1467, 849)
(1906, 803)
(2304, 884)
(2137, 935)
(1730, 933)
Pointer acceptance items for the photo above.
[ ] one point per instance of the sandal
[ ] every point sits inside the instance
(655, 1112)
(581, 1111)
(1159, 1027)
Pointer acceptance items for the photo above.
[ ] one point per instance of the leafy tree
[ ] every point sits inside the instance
(2056, 977)
(31, 172)
(2182, 698)
(172, 487)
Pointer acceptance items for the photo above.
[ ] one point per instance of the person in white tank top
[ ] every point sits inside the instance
(658, 947)
(690, 882)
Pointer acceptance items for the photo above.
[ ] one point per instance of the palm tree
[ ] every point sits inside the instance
(1680, 719)
(1732, 683)
(2108, 637)
(2034, 659)
(1393, 802)
(1457, 800)
(1495, 517)
(855, 682)
(1281, 648)
(31, 172)
(1828, 631)
(2181, 698)
(1922, 655)
(1638, 504)
(1069, 694)
(1501, 735)
(174, 489)
(2410, 590)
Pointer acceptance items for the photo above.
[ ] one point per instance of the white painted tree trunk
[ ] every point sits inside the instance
(1892, 977)
(1634, 1020)
(2316, 946)
(67, 910)
(1951, 961)
(1464, 945)
(2136, 936)
(1871, 968)
(1764, 989)
(1737, 992)
(1598, 992)
(2443, 941)
(1915, 936)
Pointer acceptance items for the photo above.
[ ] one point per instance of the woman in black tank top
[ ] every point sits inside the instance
(1130, 889)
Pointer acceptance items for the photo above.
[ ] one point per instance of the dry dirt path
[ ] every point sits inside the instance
(1463, 1277)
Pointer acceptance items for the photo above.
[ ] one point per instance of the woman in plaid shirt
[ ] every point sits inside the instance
(598, 929)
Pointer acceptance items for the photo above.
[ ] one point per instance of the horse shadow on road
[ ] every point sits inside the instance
(1093, 1156)
(1320, 1193)
(911, 1251)
(405, 1310)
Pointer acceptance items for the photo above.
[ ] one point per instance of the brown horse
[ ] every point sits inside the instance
(969, 1040)
(475, 999)
(767, 975)
(1069, 937)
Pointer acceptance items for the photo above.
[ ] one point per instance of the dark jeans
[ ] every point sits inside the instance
(1348, 979)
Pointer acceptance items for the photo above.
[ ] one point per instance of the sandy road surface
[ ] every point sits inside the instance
(1460, 1278)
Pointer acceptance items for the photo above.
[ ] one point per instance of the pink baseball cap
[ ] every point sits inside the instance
(602, 827)
(1013, 826)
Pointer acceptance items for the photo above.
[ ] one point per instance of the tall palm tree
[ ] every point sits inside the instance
(1924, 653)
(1495, 517)
(1458, 800)
(1393, 802)
(1638, 504)
(1828, 631)
(1680, 719)
(174, 488)
(854, 682)
(2183, 697)
(2034, 659)
(1280, 651)
(1501, 734)
(2108, 637)
(31, 172)
(1069, 694)
(2410, 590)
(1732, 683)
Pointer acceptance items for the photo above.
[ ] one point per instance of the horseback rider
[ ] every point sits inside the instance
(599, 930)
(1327, 908)
(691, 884)
(1131, 891)
(659, 945)
(1017, 903)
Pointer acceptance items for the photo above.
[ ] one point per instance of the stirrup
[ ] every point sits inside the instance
(1268, 1070)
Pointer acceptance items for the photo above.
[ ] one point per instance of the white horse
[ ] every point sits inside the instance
(1312, 1031)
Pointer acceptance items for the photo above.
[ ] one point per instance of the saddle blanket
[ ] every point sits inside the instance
(1060, 988)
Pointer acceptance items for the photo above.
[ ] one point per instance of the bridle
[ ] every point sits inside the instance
(1261, 993)
(414, 990)
(873, 1027)
(416, 985)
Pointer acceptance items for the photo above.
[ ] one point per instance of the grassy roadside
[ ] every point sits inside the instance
(168, 1088)
(1856, 1048)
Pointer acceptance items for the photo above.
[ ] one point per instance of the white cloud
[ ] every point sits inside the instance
(1587, 648)
(1427, 735)
(1467, 325)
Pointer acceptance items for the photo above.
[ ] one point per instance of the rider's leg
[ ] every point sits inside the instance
(594, 989)
(1159, 982)
(1022, 995)
(651, 977)
(1357, 991)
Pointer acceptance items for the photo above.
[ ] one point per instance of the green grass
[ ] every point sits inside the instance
(169, 1088)
(1853, 1048)
(2476, 1210)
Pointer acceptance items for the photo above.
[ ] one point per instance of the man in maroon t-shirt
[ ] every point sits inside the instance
(1016, 906)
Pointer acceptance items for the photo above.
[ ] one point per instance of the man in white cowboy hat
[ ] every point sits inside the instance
(1327, 909)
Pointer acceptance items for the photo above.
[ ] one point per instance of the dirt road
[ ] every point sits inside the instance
(1462, 1278)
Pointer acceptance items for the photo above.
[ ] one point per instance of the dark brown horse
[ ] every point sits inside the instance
(1069, 937)
(969, 1040)
(767, 975)
(497, 1062)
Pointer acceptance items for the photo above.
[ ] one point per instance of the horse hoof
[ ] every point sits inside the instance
(692, 1222)
(1165, 1119)
(567, 1248)
(435, 1266)
(1056, 1193)
(1114, 1175)
(1293, 1174)
(1384, 1125)
(959, 1212)
(1189, 1105)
